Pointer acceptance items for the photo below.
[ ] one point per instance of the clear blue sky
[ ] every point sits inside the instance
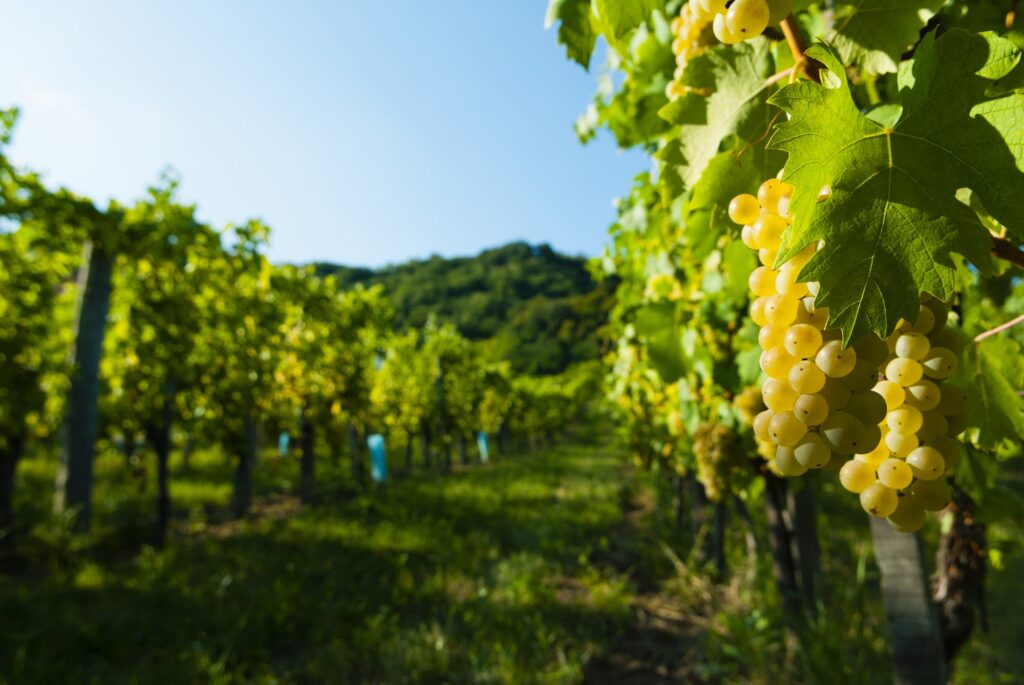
(362, 132)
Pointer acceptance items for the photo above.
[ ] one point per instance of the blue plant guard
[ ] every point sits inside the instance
(484, 445)
(378, 458)
(282, 443)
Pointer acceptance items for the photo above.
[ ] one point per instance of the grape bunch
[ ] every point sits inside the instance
(719, 458)
(905, 475)
(819, 395)
(739, 20)
(690, 38)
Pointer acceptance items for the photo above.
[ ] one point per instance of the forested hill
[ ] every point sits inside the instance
(539, 309)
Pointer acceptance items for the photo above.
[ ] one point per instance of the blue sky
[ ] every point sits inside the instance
(362, 132)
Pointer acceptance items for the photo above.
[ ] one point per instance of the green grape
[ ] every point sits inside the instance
(909, 516)
(747, 236)
(894, 473)
(786, 429)
(812, 451)
(786, 461)
(949, 448)
(868, 407)
(747, 19)
(951, 338)
(843, 433)
(876, 456)
(863, 377)
(762, 282)
(871, 349)
(912, 346)
(939, 363)
(776, 363)
(780, 310)
(786, 283)
(953, 401)
(870, 439)
(768, 229)
(778, 395)
(903, 371)
(933, 425)
(714, 7)
(772, 190)
(923, 395)
(904, 420)
(940, 313)
(722, 32)
(834, 360)
(878, 500)
(807, 314)
(771, 336)
(761, 422)
(757, 311)
(811, 409)
(893, 393)
(926, 463)
(923, 325)
(806, 378)
(932, 495)
(956, 424)
(901, 444)
(802, 340)
(779, 10)
(836, 394)
(856, 475)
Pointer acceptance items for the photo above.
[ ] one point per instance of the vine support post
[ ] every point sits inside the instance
(915, 642)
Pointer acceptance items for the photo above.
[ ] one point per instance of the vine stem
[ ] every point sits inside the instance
(999, 329)
(797, 42)
(1005, 250)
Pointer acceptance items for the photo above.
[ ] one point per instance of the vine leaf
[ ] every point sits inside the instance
(619, 17)
(892, 221)
(575, 31)
(736, 80)
(874, 33)
(992, 372)
(658, 325)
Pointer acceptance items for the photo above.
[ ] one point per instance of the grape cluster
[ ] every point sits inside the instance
(690, 38)
(905, 475)
(719, 458)
(741, 19)
(818, 394)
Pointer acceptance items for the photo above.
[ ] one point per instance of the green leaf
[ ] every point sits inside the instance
(874, 33)
(619, 17)
(735, 77)
(657, 324)
(575, 30)
(992, 372)
(893, 221)
(727, 175)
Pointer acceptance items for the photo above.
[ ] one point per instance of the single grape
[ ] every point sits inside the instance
(926, 463)
(843, 433)
(806, 378)
(713, 7)
(951, 338)
(893, 393)
(903, 371)
(871, 349)
(786, 429)
(877, 455)
(939, 363)
(762, 282)
(812, 451)
(772, 190)
(870, 438)
(802, 340)
(722, 32)
(940, 313)
(834, 360)
(771, 336)
(811, 409)
(868, 407)
(786, 281)
(909, 516)
(776, 363)
(932, 495)
(856, 475)
(780, 310)
(836, 394)
(923, 324)
(787, 463)
(767, 255)
(878, 500)
(757, 311)
(924, 395)
(768, 229)
(957, 424)
(904, 420)
(950, 449)
(747, 236)
(933, 425)
(953, 401)
(778, 395)
(901, 444)
(761, 422)
(894, 473)
(800, 259)
(808, 314)
(863, 377)
(912, 346)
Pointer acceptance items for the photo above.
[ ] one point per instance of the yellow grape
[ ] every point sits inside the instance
(762, 282)
(778, 395)
(713, 6)
(905, 420)
(939, 363)
(722, 32)
(868, 407)
(924, 395)
(926, 463)
(785, 460)
(909, 516)
(893, 393)
(768, 230)
(780, 310)
(747, 236)
(785, 281)
(856, 475)
(932, 495)
(776, 363)
(940, 313)
(811, 409)
(903, 371)
(802, 340)
(771, 336)
(757, 311)
(809, 314)
(761, 422)
(812, 451)
(773, 190)
(877, 455)
(894, 473)
(901, 444)
(834, 360)
(878, 500)
(912, 346)
(843, 433)
(744, 209)
(949, 448)
(806, 378)
(786, 429)
(767, 255)
(923, 325)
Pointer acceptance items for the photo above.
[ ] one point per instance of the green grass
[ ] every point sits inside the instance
(479, 576)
